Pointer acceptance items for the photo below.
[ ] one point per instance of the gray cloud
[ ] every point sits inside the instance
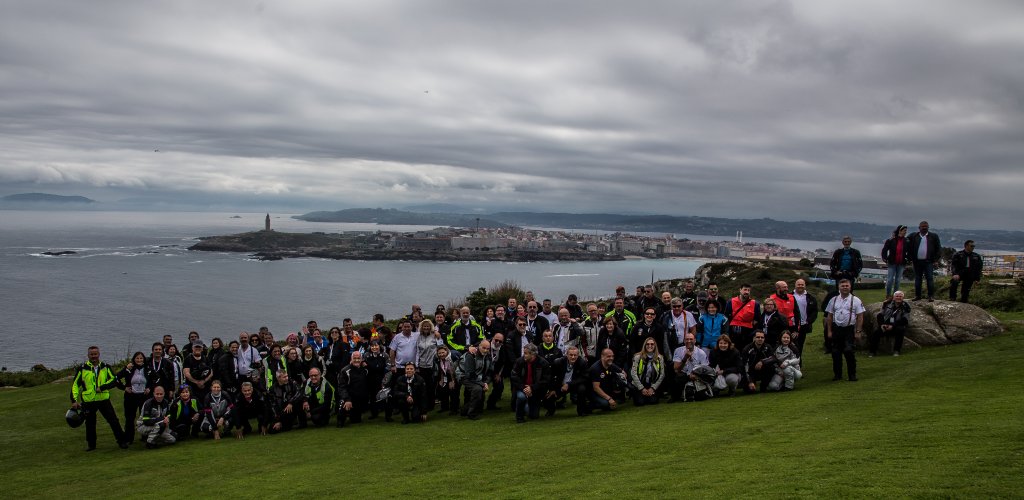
(792, 110)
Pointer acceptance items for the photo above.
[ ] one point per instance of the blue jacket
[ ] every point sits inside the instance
(709, 328)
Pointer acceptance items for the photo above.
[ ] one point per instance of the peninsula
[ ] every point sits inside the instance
(446, 244)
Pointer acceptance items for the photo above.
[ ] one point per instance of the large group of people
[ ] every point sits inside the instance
(644, 349)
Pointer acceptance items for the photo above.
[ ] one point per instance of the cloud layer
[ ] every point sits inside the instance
(791, 110)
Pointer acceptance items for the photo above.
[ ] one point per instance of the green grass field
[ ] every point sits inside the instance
(939, 422)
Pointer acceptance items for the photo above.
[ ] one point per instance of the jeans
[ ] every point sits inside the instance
(923, 268)
(527, 405)
(892, 279)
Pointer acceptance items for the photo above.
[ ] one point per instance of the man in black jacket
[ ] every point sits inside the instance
(925, 250)
(805, 313)
(966, 270)
(160, 372)
(756, 368)
(531, 377)
(407, 395)
(569, 376)
(846, 262)
(353, 391)
(476, 371)
(501, 361)
(285, 404)
(248, 406)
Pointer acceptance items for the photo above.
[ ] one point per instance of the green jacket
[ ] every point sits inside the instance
(92, 383)
(627, 325)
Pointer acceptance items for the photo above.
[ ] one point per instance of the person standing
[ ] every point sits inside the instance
(743, 313)
(90, 392)
(501, 361)
(846, 262)
(404, 348)
(926, 250)
(805, 313)
(426, 345)
(966, 271)
(477, 370)
(844, 319)
(623, 317)
(785, 304)
(464, 333)
(896, 254)
(135, 379)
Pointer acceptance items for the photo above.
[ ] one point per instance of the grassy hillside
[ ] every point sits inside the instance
(937, 422)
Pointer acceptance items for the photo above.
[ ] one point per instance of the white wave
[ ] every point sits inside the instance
(571, 275)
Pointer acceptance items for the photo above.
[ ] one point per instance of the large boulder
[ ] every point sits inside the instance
(939, 323)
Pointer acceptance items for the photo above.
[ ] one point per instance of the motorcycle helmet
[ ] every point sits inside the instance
(74, 418)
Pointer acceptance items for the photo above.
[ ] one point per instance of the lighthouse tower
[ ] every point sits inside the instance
(266, 223)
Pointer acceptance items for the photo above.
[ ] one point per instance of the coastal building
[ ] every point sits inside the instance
(478, 242)
(420, 243)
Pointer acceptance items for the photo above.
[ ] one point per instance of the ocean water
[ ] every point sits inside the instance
(133, 281)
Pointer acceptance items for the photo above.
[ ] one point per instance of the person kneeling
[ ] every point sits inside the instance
(217, 411)
(407, 393)
(285, 404)
(531, 376)
(647, 374)
(248, 406)
(608, 383)
(319, 398)
(154, 422)
(185, 415)
(787, 365)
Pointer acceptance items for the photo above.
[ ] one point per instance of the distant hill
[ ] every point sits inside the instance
(44, 198)
(397, 217)
(439, 208)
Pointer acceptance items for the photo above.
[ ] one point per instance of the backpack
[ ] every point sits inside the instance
(702, 388)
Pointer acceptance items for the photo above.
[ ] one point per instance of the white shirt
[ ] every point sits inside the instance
(699, 357)
(551, 317)
(562, 337)
(405, 350)
(801, 304)
(844, 311)
(922, 249)
(683, 323)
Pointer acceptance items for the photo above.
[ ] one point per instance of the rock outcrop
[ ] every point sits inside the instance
(939, 323)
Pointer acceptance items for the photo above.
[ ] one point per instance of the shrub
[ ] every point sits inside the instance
(499, 294)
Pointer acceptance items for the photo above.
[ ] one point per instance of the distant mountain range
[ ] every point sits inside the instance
(710, 226)
(45, 198)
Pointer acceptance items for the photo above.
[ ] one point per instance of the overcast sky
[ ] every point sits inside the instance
(877, 111)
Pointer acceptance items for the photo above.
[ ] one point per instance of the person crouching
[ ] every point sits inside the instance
(154, 420)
